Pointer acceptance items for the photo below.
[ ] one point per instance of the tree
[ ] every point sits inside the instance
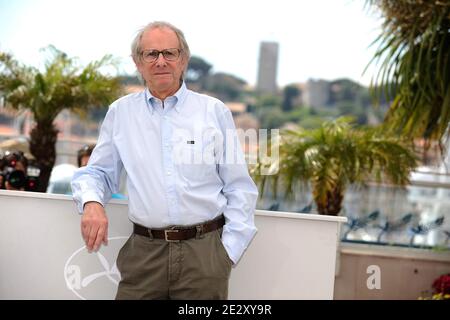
(344, 90)
(352, 108)
(267, 101)
(225, 86)
(129, 80)
(311, 121)
(271, 118)
(415, 66)
(334, 156)
(62, 85)
(198, 70)
(290, 93)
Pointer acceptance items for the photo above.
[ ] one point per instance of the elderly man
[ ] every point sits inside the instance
(191, 199)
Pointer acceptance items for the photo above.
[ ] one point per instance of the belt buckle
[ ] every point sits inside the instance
(166, 232)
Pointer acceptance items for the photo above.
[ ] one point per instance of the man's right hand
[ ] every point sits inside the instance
(94, 226)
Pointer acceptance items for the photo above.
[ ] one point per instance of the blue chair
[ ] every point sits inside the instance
(423, 229)
(355, 223)
(393, 226)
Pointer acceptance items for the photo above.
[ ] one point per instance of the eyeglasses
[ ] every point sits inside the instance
(152, 55)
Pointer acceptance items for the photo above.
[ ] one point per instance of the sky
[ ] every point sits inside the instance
(318, 39)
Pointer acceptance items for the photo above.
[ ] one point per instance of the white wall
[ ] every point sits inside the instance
(405, 273)
(293, 256)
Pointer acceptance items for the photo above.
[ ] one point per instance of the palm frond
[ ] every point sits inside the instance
(414, 48)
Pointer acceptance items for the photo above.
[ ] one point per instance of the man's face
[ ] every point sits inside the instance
(162, 76)
(20, 166)
(84, 161)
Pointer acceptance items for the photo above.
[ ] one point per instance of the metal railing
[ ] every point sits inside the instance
(415, 216)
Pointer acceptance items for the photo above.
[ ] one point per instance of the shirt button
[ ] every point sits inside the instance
(169, 173)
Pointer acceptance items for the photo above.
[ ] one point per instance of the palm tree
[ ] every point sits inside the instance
(62, 85)
(414, 53)
(332, 157)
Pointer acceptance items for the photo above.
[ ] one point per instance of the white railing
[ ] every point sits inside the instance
(293, 256)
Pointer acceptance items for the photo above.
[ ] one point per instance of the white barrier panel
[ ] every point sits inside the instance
(42, 254)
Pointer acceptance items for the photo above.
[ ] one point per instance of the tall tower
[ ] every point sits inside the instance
(267, 68)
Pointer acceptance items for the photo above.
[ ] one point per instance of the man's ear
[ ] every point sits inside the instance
(139, 73)
(185, 63)
(136, 63)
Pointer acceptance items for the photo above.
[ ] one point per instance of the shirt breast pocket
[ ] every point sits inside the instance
(197, 162)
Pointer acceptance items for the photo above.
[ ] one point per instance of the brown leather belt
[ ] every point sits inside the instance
(175, 234)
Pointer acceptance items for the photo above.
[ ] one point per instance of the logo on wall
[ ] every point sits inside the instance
(89, 274)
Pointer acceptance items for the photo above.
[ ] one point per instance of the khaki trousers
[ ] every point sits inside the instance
(197, 268)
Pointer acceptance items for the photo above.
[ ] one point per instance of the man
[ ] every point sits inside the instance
(191, 199)
(84, 154)
(13, 169)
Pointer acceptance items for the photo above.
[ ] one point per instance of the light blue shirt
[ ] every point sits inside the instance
(183, 161)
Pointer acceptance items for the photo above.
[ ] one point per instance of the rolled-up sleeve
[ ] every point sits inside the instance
(100, 178)
(240, 191)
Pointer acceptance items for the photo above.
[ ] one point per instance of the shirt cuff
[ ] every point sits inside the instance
(236, 244)
(87, 197)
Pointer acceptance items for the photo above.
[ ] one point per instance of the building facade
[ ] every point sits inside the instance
(267, 68)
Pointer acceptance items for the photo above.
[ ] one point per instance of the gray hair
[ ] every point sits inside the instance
(136, 44)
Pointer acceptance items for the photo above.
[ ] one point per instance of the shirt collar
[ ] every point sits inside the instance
(179, 95)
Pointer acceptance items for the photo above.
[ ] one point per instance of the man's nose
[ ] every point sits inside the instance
(161, 61)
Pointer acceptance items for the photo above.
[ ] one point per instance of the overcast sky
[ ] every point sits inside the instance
(325, 39)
